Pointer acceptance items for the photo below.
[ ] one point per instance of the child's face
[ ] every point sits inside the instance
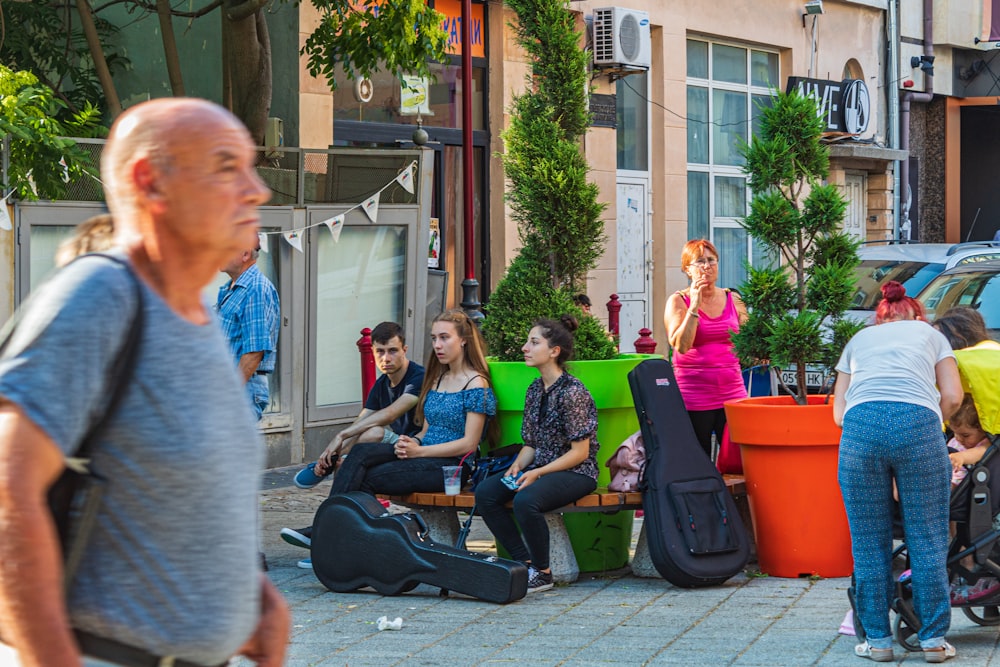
(968, 436)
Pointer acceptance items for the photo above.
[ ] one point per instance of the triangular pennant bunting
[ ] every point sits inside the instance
(294, 239)
(262, 240)
(65, 169)
(405, 179)
(370, 207)
(335, 225)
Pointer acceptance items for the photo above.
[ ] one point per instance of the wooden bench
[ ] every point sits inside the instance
(440, 513)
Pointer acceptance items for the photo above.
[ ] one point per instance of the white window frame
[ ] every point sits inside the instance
(716, 222)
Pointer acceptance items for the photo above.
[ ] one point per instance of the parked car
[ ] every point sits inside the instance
(912, 264)
(975, 284)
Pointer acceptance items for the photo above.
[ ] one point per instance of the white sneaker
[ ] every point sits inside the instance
(306, 563)
(301, 537)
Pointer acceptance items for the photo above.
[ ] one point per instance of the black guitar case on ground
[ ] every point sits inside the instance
(695, 534)
(356, 543)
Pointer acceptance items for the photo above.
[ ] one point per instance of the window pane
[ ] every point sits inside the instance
(730, 197)
(697, 55)
(729, 64)
(698, 205)
(760, 256)
(359, 282)
(763, 69)
(633, 123)
(757, 104)
(44, 241)
(729, 113)
(732, 245)
(697, 127)
(443, 106)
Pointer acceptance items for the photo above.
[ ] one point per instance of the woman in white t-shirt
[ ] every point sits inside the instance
(896, 382)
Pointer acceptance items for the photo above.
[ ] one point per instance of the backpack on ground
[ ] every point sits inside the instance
(627, 464)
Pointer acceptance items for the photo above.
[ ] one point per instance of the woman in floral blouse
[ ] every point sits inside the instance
(559, 458)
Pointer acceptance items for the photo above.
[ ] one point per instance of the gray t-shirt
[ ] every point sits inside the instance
(895, 361)
(172, 565)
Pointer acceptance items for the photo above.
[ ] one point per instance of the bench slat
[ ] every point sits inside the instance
(600, 500)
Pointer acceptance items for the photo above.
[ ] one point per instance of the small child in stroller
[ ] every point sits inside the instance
(967, 447)
(969, 441)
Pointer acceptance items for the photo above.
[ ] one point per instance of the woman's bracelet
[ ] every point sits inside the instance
(692, 313)
(420, 441)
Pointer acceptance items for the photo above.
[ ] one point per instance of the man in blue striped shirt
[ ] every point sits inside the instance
(249, 312)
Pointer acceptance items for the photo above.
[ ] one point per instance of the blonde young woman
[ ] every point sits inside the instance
(699, 320)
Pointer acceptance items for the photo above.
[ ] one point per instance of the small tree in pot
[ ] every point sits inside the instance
(797, 305)
(555, 206)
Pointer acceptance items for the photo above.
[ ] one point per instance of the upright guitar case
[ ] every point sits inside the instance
(357, 543)
(695, 534)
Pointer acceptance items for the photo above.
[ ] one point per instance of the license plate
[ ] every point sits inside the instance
(814, 378)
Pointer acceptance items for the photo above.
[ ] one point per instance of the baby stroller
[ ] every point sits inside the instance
(975, 508)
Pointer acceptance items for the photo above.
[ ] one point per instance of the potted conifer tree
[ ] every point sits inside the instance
(789, 443)
(558, 215)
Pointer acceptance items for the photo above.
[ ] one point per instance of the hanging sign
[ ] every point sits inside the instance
(414, 96)
(844, 105)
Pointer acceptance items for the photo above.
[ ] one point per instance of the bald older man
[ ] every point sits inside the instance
(181, 184)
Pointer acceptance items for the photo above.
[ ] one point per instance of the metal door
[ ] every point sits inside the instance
(634, 270)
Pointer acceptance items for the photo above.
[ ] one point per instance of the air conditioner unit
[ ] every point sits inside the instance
(621, 38)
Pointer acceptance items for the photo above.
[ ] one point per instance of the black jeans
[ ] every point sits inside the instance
(549, 492)
(372, 467)
(706, 422)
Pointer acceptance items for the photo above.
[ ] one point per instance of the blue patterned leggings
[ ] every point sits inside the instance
(882, 440)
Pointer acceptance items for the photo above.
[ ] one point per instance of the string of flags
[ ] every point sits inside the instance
(293, 237)
(369, 206)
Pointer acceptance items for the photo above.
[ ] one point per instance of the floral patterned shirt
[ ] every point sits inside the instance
(556, 417)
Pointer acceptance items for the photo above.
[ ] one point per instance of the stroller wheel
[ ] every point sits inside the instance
(989, 616)
(905, 634)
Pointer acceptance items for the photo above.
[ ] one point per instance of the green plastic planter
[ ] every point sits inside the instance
(600, 541)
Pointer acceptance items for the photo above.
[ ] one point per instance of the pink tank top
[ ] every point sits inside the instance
(709, 374)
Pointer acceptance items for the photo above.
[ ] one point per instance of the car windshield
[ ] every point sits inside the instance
(979, 290)
(873, 273)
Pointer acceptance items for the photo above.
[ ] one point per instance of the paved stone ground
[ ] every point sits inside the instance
(610, 619)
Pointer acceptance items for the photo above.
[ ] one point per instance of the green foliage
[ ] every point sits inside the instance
(363, 37)
(795, 214)
(42, 44)
(556, 208)
(28, 113)
(591, 341)
(554, 205)
(524, 296)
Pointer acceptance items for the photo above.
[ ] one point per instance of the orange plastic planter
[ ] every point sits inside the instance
(790, 464)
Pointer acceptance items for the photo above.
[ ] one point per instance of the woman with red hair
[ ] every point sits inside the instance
(699, 321)
(896, 382)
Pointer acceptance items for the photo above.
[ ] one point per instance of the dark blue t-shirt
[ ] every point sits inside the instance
(383, 394)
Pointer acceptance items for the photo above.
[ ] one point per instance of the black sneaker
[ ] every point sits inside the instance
(301, 537)
(538, 580)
